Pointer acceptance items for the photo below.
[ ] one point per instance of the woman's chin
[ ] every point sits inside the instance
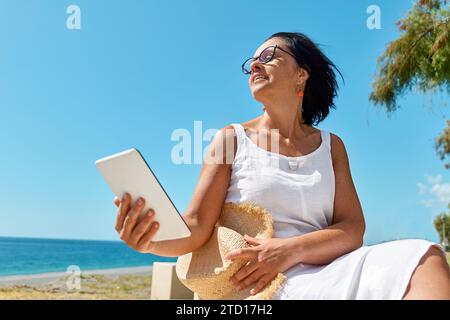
(258, 92)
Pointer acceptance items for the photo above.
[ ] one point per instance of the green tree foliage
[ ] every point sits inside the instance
(442, 144)
(439, 221)
(419, 59)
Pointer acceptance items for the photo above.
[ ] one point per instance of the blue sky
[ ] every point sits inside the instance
(138, 70)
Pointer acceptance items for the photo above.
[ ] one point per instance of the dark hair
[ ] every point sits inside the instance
(321, 86)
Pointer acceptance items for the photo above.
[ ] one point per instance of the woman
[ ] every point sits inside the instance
(304, 179)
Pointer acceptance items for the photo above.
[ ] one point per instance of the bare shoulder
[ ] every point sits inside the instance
(227, 133)
(224, 145)
(338, 152)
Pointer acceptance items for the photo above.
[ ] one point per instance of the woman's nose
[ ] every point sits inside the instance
(255, 65)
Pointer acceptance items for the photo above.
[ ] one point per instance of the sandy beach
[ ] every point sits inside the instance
(121, 283)
(105, 284)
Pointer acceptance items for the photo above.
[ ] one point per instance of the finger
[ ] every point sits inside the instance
(244, 272)
(141, 227)
(146, 240)
(136, 209)
(252, 240)
(116, 201)
(262, 283)
(122, 212)
(131, 218)
(250, 279)
(122, 233)
(243, 253)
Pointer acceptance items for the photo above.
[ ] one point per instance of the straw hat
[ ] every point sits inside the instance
(207, 273)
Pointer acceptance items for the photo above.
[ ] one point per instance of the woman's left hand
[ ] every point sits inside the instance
(266, 258)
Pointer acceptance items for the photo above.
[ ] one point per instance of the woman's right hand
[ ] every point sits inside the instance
(135, 232)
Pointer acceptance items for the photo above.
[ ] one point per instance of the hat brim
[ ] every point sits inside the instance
(206, 271)
(265, 294)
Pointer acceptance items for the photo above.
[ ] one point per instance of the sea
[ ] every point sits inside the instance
(24, 256)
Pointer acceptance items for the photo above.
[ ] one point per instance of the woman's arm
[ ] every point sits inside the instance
(203, 210)
(346, 232)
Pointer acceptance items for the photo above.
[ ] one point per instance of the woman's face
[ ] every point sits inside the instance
(281, 76)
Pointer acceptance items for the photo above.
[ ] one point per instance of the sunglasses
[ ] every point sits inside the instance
(264, 57)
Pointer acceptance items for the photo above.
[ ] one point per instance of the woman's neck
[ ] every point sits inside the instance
(286, 120)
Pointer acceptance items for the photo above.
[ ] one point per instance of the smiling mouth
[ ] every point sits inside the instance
(259, 78)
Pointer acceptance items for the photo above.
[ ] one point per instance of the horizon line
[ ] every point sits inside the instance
(47, 238)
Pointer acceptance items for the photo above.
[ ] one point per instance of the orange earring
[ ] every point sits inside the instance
(300, 93)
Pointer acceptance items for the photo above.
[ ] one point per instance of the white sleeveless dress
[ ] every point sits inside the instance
(299, 192)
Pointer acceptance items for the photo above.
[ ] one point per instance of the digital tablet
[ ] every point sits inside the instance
(128, 171)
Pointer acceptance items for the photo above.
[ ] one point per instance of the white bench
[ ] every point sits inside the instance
(165, 283)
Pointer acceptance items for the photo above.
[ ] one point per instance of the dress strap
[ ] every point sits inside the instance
(240, 132)
(326, 137)
(240, 149)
